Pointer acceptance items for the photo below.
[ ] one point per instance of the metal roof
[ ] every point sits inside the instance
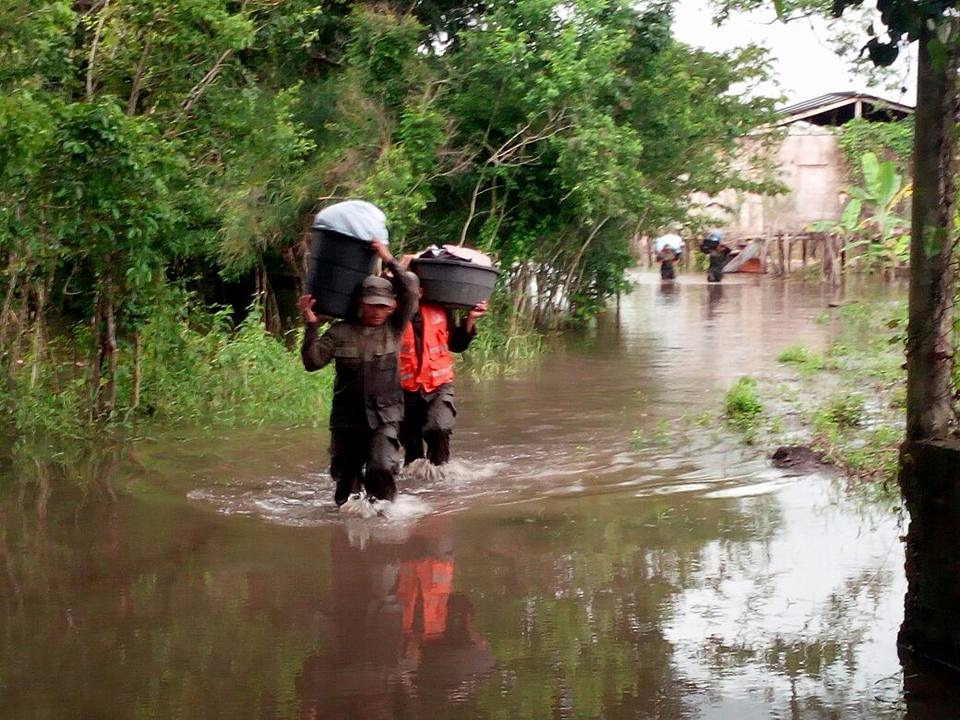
(833, 101)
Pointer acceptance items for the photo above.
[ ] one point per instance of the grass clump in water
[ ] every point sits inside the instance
(793, 354)
(805, 361)
(878, 455)
(858, 428)
(843, 411)
(742, 406)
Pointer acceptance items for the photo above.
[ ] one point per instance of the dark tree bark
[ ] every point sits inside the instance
(930, 481)
(930, 466)
(929, 351)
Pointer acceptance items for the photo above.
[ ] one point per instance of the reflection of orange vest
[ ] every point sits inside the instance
(423, 588)
(436, 367)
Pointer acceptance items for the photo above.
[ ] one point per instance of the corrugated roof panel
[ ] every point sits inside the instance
(808, 107)
(827, 99)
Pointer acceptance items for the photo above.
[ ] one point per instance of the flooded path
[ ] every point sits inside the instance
(593, 552)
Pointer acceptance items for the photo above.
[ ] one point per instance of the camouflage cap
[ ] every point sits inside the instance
(377, 291)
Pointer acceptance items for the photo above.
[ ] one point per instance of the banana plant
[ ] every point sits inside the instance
(869, 218)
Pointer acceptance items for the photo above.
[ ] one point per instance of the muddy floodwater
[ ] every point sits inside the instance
(593, 552)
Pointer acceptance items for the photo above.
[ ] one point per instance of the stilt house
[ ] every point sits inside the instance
(810, 166)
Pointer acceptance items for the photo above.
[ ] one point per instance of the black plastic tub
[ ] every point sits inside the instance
(336, 266)
(454, 283)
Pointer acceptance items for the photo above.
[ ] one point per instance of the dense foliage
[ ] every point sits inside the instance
(162, 159)
(891, 141)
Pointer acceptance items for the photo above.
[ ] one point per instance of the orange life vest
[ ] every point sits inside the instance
(435, 368)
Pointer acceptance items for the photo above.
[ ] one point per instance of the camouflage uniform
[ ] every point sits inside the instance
(367, 399)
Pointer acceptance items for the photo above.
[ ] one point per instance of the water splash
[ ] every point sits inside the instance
(403, 508)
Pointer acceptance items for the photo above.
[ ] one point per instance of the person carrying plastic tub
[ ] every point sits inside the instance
(718, 255)
(668, 249)
(426, 375)
(367, 399)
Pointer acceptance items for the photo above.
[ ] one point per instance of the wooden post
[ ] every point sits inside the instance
(831, 260)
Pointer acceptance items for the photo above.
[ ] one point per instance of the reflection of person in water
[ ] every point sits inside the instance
(400, 636)
(668, 292)
(456, 657)
(357, 674)
(714, 296)
(440, 639)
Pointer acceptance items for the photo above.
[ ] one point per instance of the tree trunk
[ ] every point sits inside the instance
(830, 262)
(930, 481)
(39, 332)
(268, 302)
(137, 373)
(929, 351)
(929, 478)
(107, 327)
(94, 362)
(103, 377)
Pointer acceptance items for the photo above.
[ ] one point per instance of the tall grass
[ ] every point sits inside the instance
(194, 367)
(503, 344)
(229, 376)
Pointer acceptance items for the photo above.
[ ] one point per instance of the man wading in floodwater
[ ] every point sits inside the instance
(367, 399)
(426, 374)
(718, 255)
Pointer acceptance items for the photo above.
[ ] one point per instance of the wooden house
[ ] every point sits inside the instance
(810, 167)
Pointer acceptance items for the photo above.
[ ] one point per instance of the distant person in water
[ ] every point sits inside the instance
(426, 375)
(367, 399)
(717, 253)
(668, 249)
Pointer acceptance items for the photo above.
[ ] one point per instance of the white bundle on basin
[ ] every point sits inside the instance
(357, 218)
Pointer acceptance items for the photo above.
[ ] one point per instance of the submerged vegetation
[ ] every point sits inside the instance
(846, 403)
(161, 162)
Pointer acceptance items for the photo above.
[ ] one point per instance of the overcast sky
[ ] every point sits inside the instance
(805, 64)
